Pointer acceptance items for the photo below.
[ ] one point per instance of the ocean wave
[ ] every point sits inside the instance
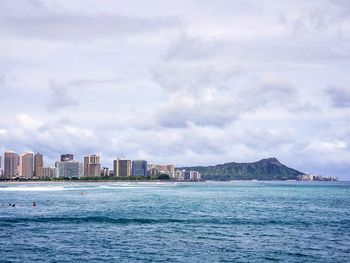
(88, 219)
(123, 187)
(125, 221)
(32, 188)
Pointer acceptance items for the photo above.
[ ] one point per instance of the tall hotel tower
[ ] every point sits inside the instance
(139, 168)
(122, 168)
(92, 166)
(68, 168)
(26, 165)
(38, 163)
(10, 164)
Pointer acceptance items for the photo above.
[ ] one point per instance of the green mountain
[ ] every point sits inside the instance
(265, 169)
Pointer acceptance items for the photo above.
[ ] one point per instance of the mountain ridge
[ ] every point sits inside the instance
(264, 169)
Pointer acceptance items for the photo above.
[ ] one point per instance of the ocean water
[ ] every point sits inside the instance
(175, 222)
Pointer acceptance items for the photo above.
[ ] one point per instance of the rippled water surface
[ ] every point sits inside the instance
(175, 222)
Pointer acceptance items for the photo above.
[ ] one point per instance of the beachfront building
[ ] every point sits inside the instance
(314, 177)
(157, 169)
(26, 165)
(69, 169)
(122, 168)
(183, 175)
(38, 163)
(92, 166)
(195, 176)
(11, 161)
(47, 172)
(105, 172)
(179, 175)
(139, 168)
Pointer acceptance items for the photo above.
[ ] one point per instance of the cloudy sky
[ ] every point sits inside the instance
(186, 82)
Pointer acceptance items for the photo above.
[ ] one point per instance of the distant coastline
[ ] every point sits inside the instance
(34, 181)
(96, 180)
(68, 170)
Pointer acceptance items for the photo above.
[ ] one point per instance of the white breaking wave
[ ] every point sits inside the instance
(32, 188)
(122, 187)
(79, 187)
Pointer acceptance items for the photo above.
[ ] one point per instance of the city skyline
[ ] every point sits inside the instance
(65, 157)
(185, 82)
(31, 166)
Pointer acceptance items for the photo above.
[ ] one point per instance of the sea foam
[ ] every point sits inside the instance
(31, 188)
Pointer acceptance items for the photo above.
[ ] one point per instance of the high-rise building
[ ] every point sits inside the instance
(171, 170)
(92, 166)
(183, 175)
(38, 163)
(26, 165)
(179, 175)
(122, 168)
(139, 168)
(69, 169)
(10, 164)
(195, 175)
(156, 169)
(46, 172)
(105, 172)
(67, 157)
(187, 175)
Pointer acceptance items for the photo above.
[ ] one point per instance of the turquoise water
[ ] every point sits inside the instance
(175, 222)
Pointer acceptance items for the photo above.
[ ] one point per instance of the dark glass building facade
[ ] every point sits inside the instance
(139, 168)
(67, 157)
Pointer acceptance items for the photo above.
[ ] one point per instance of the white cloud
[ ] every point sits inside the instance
(40, 22)
(339, 96)
(328, 147)
(28, 122)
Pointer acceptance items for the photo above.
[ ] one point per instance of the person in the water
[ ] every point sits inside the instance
(34, 204)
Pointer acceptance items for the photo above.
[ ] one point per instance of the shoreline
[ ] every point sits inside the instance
(97, 181)
(157, 181)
